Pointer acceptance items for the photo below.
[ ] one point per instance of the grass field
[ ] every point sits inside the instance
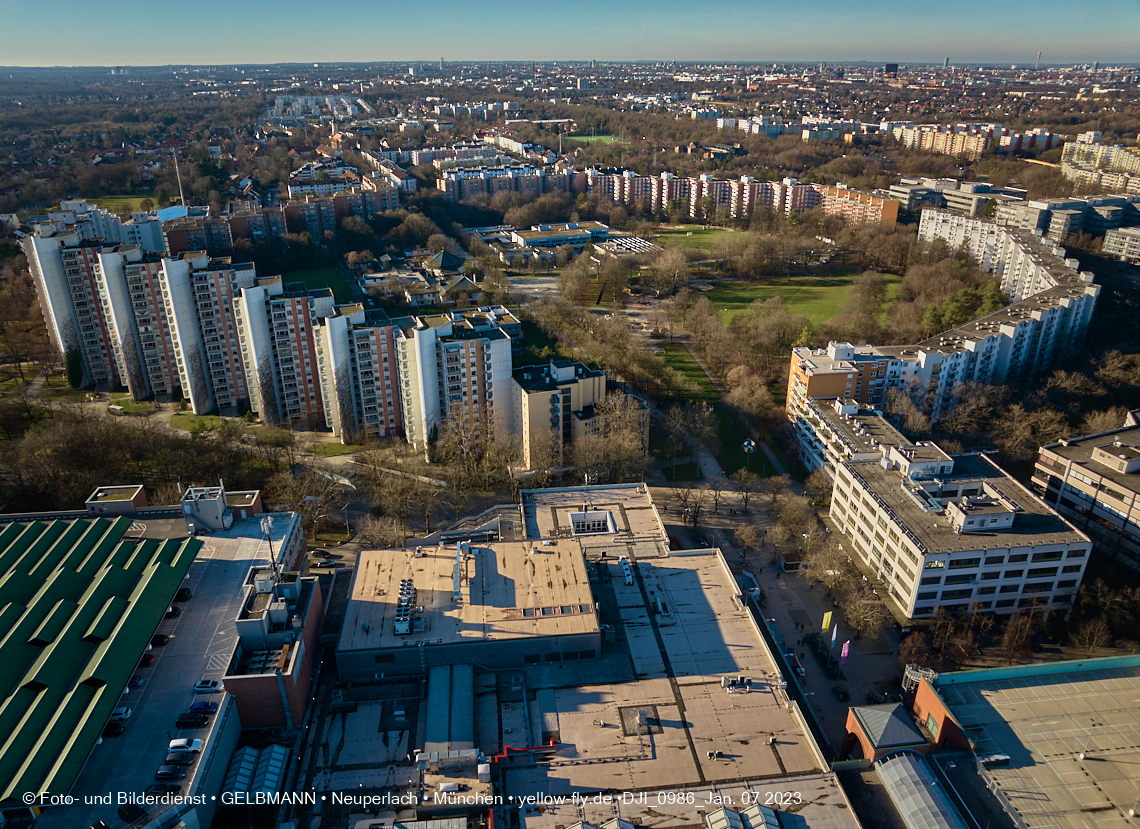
(188, 421)
(591, 139)
(817, 298)
(328, 450)
(695, 237)
(730, 434)
(126, 204)
(326, 277)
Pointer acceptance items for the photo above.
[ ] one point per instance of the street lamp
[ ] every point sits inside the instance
(347, 529)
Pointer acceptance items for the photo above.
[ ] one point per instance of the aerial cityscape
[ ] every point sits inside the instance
(707, 420)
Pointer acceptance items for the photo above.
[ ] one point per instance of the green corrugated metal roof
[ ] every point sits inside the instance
(78, 605)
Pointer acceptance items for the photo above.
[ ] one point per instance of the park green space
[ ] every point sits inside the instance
(697, 238)
(730, 433)
(329, 450)
(591, 139)
(121, 204)
(326, 277)
(817, 298)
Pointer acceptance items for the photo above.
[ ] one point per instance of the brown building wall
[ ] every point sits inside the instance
(258, 699)
(927, 705)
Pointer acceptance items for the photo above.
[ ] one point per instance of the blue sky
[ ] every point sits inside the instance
(132, 32)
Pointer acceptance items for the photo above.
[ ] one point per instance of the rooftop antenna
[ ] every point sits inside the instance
(178, 172)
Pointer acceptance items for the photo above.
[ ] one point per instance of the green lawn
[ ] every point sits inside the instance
(328, 450)
(117, 204)
(678, 358)
(66, 393)
(143, 407)
(591, 139)
(730, 433)
(326, 277)
(817, 298)
(697, 238)
(188, 421)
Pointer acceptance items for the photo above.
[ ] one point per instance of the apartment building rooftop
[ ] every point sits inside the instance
(924, 507)
(549, 376)
(505, 590)
(861, 429)
(1114, 455)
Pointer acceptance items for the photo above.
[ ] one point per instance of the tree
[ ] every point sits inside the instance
(1017, 636)
(745, 483)
(775, 486)
(381, 532)
(915, 650)
(1091, 635)
(819, 486)
(864, 611)
(717, 488)
(669, 269)
(828, 565)
(748, 538)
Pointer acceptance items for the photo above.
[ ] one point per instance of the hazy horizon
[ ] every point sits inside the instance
(212, 32)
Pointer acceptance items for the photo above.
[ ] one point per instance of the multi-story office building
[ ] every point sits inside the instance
(834, 431)
(955, 533)
(970, 197)
(575, 234)
(547, 401)
(1056, 219)
(1095, 482)
(1052, 304)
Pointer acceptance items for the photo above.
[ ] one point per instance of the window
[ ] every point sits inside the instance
(959, 579)
(1037, 572)
(1019, 557)
(1075, 554)
(1067, 583)
(995, 560)
(986, 591)
(1071, 568)
(1009, 588)
(1004, 603)
(965, 562)
(933, 564)
(990, 576)
(925, 597)
(931, 580)
(1038, 586)
(1052, 555)
(1013, 574)
(957, 594)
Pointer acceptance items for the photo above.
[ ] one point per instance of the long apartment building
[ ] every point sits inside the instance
(955, 532)
(1051, 305)
(740, 198)
(1094, 481)
(463, 184)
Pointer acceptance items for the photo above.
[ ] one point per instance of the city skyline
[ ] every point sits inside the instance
(727, 30)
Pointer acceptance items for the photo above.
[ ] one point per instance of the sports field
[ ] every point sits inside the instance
(697, 238)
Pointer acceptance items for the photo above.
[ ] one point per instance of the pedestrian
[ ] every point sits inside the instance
(760, 571)
(812, 586)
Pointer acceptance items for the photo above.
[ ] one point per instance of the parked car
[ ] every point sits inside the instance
(190, 719)
(155, 789)
(207, 686)
(180, 758)
(204, 708)
(136, 682)
(183, 594)
(121, 714)
(99, 824)
(327, 562)
(185, 744)
(159, 639)
(170, 772)
(173, 612)
(147, 660)
(113, 729)
(132, 813)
